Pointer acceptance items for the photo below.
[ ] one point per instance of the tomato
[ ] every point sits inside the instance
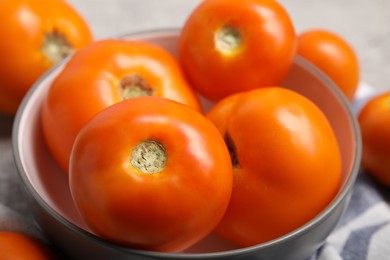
(14, 245)
(151, 173)
(103, 73)
(374, 121)
(286, 160)
(334, 56)
(35, 35)
(228, 46)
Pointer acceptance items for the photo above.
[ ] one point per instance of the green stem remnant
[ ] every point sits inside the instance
(56, 46)
(134, 85)
(228, 39)
(149, 157)
(232, 150)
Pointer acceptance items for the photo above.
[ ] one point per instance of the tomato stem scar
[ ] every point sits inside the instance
(149, 157)
(134, 85)
(56, 46)
(232, 150)
(228, 39)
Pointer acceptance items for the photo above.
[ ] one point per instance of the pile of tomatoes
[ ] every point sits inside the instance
(148, 167)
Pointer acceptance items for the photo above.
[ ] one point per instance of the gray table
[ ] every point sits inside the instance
(365, 24)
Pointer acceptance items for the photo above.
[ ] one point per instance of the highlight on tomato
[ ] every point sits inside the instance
(334, 56)
(286, 163)
(15, 245)
(104, 73)
(228, 46)
(35, 35)
(151, 173)
(374, 121)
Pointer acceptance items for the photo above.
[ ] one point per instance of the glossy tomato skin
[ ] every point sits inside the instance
(374, 121)
(287, 163)
(14, 245)
(334, 56)
(263, 57)
(164, 211)
(25, 27)
(91, 81)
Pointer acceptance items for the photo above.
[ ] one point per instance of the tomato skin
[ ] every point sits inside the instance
(24, 26)
(289, 163)
(165, 211)
(14, 245)
(374, 121)
(263, 58)
(90, 82)
(334, 56)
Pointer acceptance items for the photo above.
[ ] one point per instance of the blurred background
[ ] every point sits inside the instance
(364, 24)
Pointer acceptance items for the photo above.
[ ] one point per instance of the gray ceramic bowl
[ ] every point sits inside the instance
(56, 214)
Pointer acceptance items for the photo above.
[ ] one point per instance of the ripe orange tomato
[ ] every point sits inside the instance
(228, 46)
(286, 161)
(151, 173)
(14, 245)
(374, 121)
(103, 73)
(35, 34)
(334, 56)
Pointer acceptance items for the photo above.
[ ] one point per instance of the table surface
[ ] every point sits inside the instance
(364, 24)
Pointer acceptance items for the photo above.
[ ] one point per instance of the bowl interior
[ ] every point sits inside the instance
(42, 175)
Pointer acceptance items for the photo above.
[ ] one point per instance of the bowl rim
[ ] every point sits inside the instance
(173, 32)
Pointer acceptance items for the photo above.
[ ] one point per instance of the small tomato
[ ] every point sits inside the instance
(228, 46)
(374, 121)
(14, 245)
(334, 56)
(101, 74)
(151, 173)
(35, 35)
(286, 159)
